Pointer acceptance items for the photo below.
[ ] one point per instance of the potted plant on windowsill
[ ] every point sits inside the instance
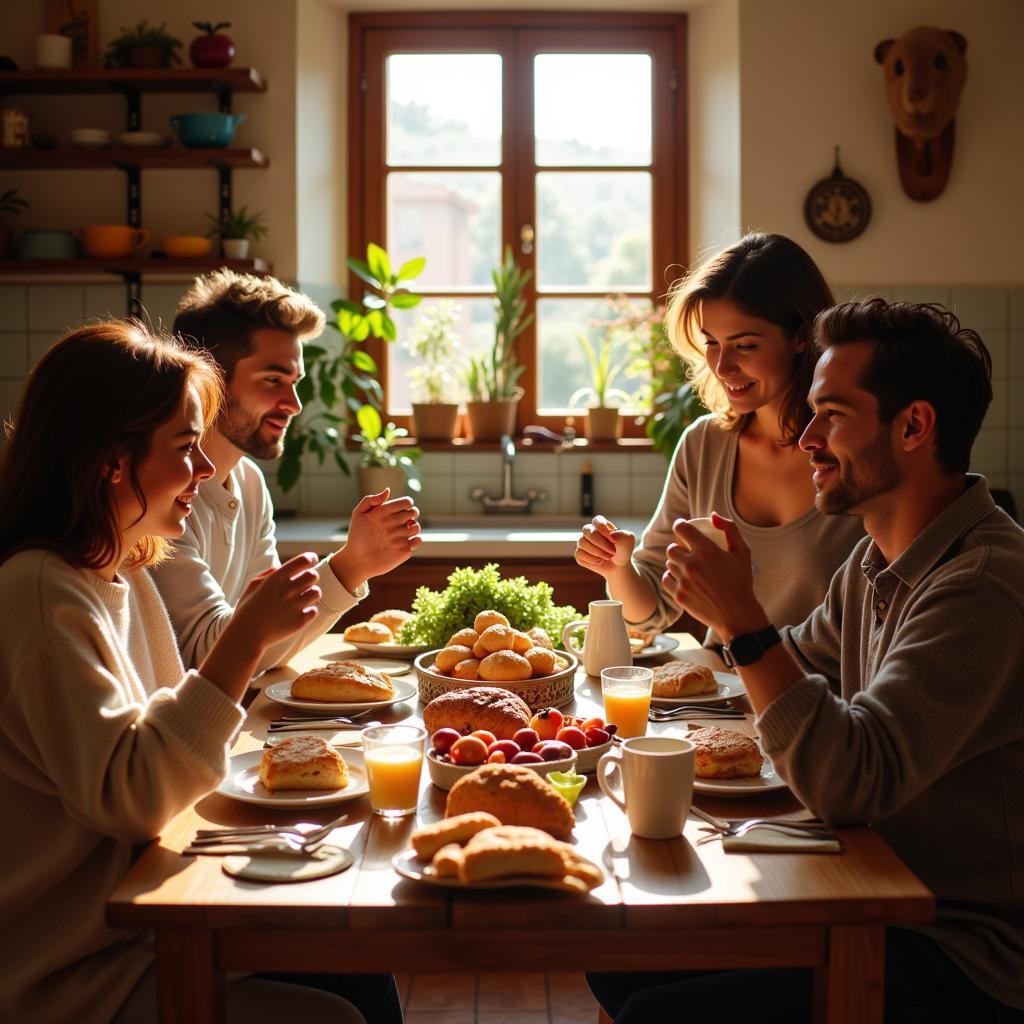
(145, 46)
(433, 342)
(492, 380)
(237, 231)
(341, 376)
(383, 464)
(603, 420)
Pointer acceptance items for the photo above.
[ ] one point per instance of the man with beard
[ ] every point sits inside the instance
(254, 328)
(898, 701)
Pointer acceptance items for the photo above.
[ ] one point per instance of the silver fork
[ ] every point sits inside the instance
(723, 827)
(214, 835)
(796, 831)
(695, 711)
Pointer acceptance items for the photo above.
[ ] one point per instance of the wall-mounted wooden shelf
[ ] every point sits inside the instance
(122, 157)
(148, 267)
(128, 80)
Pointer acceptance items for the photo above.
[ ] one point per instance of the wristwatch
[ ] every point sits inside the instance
(746, 648)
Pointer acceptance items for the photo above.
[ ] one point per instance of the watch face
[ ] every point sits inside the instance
(837, 209)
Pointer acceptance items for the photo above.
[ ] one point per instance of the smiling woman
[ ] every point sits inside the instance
(742, 322)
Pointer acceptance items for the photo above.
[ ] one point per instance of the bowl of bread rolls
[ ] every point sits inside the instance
(490, 652)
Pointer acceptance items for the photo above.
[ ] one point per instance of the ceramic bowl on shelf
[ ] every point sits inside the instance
(186, 247)
(90, 138)
(207, 130)
(142, 140)
(112, 241)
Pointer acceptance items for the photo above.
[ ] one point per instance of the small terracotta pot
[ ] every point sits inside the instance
(603, 423)
(373, 479)
(488, 421)
(434, 421)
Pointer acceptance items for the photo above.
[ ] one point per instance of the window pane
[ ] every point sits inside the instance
(444, 109)
(594, 230)
(592, 109)
(452, 219)
(563, 364)
(474, 331)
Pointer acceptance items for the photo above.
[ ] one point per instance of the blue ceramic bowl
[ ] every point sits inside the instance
(206, 131)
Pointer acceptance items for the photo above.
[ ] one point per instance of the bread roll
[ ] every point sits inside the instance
(489, 618)
(468, 669)
(511, 852)
(521, 643)
(540, 637)
(725, 754)
(542, 661)
(498, 638)
(393, 618)
(447, 861)
(464, 638)
(343, 681)
(479, 651)
(448, 657)
(505, 666)
(683, 679)
(303, 762)
(514, 794)
(369, 633)
(478, 707)
(426, 841)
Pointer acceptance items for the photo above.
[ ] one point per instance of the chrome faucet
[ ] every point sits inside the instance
(507, 502)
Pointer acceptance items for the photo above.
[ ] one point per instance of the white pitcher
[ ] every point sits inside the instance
(606, 643)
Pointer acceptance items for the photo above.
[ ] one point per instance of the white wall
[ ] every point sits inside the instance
(809, 81)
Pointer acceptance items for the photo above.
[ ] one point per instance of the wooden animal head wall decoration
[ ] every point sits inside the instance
(925, 70)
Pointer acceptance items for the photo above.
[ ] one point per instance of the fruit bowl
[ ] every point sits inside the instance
(587, 758)
(539, 692)
(444, 774)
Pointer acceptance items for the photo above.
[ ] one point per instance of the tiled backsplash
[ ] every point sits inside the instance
(32, 316)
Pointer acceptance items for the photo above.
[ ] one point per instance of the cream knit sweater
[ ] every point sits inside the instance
(104, 738)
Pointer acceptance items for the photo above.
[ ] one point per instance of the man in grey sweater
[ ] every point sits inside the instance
(899, 700)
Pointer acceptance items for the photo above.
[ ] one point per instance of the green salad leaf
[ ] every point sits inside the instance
(436, 615)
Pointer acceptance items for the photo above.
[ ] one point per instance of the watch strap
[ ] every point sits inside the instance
(746, 648)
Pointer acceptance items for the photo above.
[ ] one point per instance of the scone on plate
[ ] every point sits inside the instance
(725, 754)
(683, 679)
(393, 618)
(343, 681)
(303, 762)
(369, 633)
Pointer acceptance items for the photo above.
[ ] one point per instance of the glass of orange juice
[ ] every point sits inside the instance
(394, 761)
(627, 697)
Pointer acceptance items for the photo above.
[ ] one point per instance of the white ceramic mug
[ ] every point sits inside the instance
(53, 51)
(606, 642)
(705, 526)
(656, 786)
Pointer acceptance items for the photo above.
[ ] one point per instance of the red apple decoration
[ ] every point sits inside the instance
(211, 50)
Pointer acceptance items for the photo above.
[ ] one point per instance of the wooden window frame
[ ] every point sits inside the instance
(373, 36)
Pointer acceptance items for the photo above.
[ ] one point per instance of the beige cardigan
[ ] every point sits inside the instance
(103, 738)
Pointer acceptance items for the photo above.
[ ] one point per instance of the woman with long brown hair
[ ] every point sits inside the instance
(104, 736)
(742, 323)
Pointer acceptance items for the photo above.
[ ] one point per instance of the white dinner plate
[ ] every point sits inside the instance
(389, 650)
(388, 666)
(407, 865)
(662, 645)
(242, 782)
(337, 738)
(729, 686)
(767, 781)
(282, 693)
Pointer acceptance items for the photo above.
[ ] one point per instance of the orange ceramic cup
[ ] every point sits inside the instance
(113, 241)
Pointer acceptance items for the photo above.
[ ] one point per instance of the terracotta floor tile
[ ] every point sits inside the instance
(514, 1017)
(568, 990)
(441, 1017)
(577, 1016)
(501, 993)
(403, 981)
(442, 992)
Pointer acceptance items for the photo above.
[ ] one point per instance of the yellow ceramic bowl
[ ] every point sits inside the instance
(187, 247)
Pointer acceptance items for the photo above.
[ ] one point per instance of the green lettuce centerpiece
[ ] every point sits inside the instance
(436, 615)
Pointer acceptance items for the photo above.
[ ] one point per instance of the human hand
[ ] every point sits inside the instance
(603, 548)
(278, 602)
(713, 585)
(382, 534)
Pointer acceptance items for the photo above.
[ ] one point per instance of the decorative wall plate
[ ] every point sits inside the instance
(837, 208)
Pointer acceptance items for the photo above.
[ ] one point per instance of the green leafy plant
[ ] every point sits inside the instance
(144, 35)
(237, 224)
(436, 615)
(378, 444)
(495, 376)
(603, 371)
(339, 373)
(434, 344)
(11, 202)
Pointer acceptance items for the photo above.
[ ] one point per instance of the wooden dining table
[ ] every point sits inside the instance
(664, 904)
